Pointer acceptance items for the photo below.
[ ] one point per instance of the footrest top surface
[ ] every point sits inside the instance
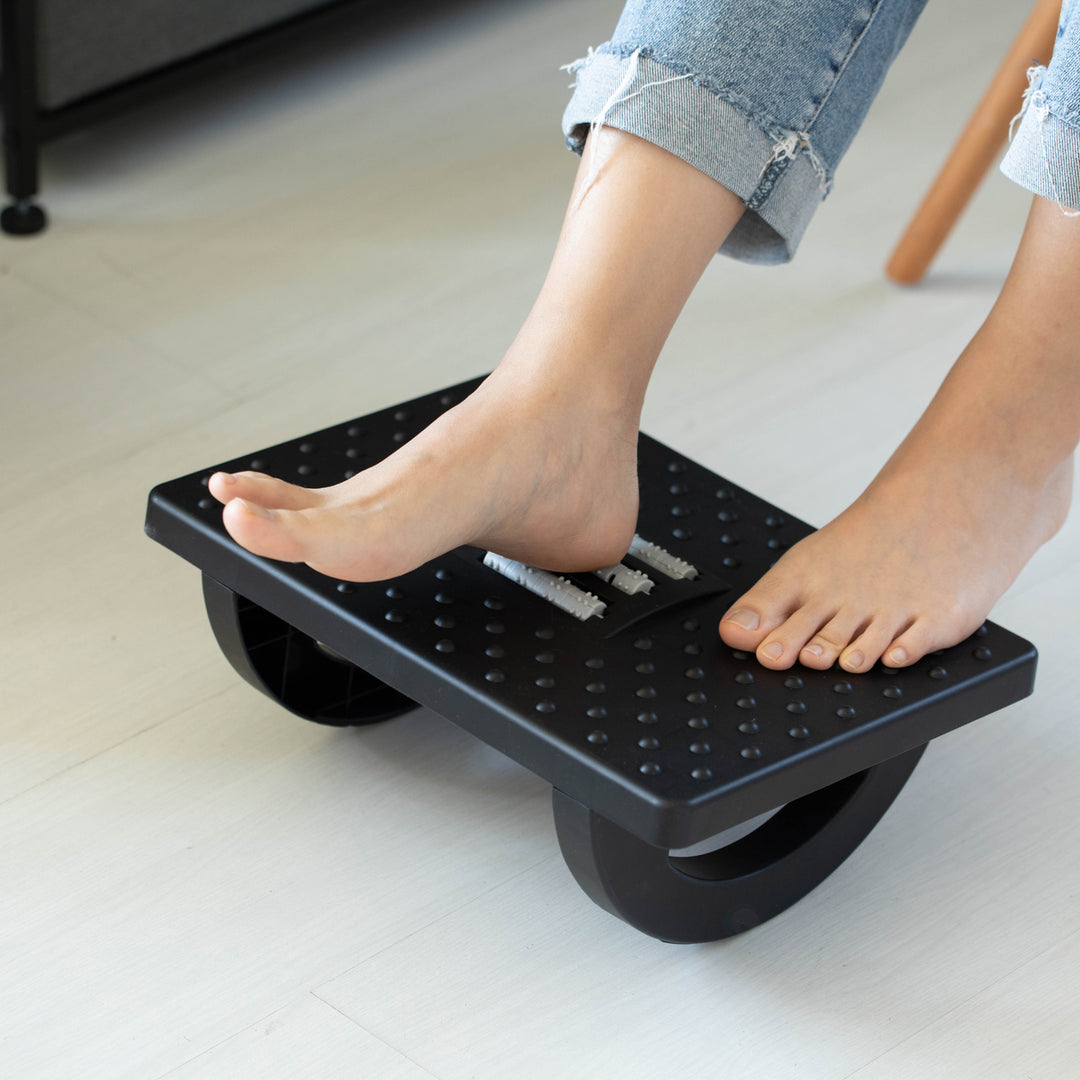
(643, 714)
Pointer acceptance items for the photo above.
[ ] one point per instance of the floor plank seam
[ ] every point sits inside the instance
(221, 1042)
(434, 922)
(961, 1004)
(378, 1038)
(114, 746)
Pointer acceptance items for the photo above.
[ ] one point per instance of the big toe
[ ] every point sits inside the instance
(274, 533)
(336, 543)
(262, 490)
(750, 620)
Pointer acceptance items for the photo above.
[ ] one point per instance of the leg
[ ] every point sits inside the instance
(738, 141)
(735, 887)
(303, 675)
(540, 462)
(985, 477)
(974, 152)
(23, 216)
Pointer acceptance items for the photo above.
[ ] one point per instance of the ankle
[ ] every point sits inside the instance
(1005, 409)
(573, 382)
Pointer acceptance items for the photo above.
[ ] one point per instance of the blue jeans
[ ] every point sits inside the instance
(765, 96)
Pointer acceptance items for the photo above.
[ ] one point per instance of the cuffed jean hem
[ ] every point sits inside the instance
(1044, 157)
(779, 182)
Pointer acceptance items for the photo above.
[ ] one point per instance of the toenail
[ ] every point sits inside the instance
(774, 650)
(898, 656)
(814, 650)
(853, 659)
(256, 509)
(745, 618)
(227, 478)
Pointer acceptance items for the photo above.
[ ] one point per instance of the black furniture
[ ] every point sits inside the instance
(67, 63)
(654, 735)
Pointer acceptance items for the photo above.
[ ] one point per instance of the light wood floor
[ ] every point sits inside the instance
(194, 883)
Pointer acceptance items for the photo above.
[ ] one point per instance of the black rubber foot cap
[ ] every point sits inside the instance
(23, 219)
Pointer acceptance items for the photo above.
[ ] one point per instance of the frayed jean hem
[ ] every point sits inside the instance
(775, 174)
(1044, 154)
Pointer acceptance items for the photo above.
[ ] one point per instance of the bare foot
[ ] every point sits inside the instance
(550, 480)
(539, 463)
(914, 565)
(984, 478)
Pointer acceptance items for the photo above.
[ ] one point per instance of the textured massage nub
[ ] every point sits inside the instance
(655, 556)
(556, 590)
(626, 580)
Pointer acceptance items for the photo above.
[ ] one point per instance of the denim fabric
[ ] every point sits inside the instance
(763, 95)
(1044, 155)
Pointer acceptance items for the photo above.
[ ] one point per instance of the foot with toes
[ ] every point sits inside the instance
(921, 557)
(539, 463)
(534, 480)
(911, 567)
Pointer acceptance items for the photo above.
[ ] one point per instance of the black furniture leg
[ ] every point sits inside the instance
(20, 110)
(722, 893)
(308, 678)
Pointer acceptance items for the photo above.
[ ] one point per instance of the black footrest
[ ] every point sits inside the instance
(642, 715)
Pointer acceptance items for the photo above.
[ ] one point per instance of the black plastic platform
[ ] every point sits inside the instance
(654, 734)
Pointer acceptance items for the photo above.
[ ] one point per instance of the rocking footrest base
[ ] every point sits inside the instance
(655, 735)
(734, 888)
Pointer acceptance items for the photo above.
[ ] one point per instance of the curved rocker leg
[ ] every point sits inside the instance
(724, 892)
(305, 676)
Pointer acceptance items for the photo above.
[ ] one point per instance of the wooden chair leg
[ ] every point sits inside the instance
(975, 150)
